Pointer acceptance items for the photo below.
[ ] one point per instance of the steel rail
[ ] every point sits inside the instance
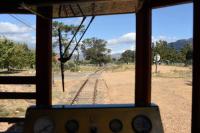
(95, 91)
(83, 85)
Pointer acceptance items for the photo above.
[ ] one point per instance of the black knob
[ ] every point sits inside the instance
(141, 124)
(93, 130)
(72, 126)
(115, 125)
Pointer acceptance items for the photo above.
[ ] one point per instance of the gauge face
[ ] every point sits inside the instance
(115, 125)
(72, 126)
(44, 125)
(141, 124)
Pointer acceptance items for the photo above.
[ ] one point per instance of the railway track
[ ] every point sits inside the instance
(88, 91)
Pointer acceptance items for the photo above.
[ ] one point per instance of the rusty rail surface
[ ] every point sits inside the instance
(84, 84)
(95, 91)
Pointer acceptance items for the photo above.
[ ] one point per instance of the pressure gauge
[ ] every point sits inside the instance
(115, 125)
(141, 124)
(72, 126)
(44, 125)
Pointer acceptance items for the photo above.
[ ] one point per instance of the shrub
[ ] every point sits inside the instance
(71, 66)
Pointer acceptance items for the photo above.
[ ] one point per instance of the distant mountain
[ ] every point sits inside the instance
(180, 43)
(116, 55)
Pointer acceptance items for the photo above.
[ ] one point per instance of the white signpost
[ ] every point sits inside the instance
(156, 59)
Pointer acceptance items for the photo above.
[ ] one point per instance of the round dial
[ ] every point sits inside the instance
(44, 125)
(141, 124)
(72, 126)
(115, 125)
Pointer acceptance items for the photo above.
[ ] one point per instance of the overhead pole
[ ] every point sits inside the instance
(44, 56)
(196, 70)
(143, 55)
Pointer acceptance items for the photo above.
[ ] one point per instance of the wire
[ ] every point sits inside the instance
(69, 57)
(23, 5)
(18, 19)
(62, 59)
(79, 27)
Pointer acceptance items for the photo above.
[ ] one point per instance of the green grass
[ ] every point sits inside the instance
(121, 67)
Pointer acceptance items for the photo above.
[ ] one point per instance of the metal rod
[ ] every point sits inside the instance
(61, 57)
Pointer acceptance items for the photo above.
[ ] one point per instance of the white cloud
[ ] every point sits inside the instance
(128, 38)
(27, 38)
(127, 41)
(18, 33)
(7, 27)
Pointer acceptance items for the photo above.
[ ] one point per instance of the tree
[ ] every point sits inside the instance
(128, 56)
(170, 54)
(31, 58)
(167, 54)
(73, 31)
(15, 55)
(66, 32)
(186, 54)
(95, 50)
(6, 50)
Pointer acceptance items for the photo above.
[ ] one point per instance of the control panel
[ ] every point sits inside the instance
(93, 119)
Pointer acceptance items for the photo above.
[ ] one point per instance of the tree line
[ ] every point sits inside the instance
(170, 55)
(94, 50)
(14, 55)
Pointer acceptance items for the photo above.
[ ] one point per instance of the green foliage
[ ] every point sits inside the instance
(166, 53)
(66, 32)
(72, 67)
(186, 54)
(95, 50)
(128, 56)
(15, 55)
(171, 55)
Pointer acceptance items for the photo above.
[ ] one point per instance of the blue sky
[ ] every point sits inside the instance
(171, 24)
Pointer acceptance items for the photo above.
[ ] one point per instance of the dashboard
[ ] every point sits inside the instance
(93, 119)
